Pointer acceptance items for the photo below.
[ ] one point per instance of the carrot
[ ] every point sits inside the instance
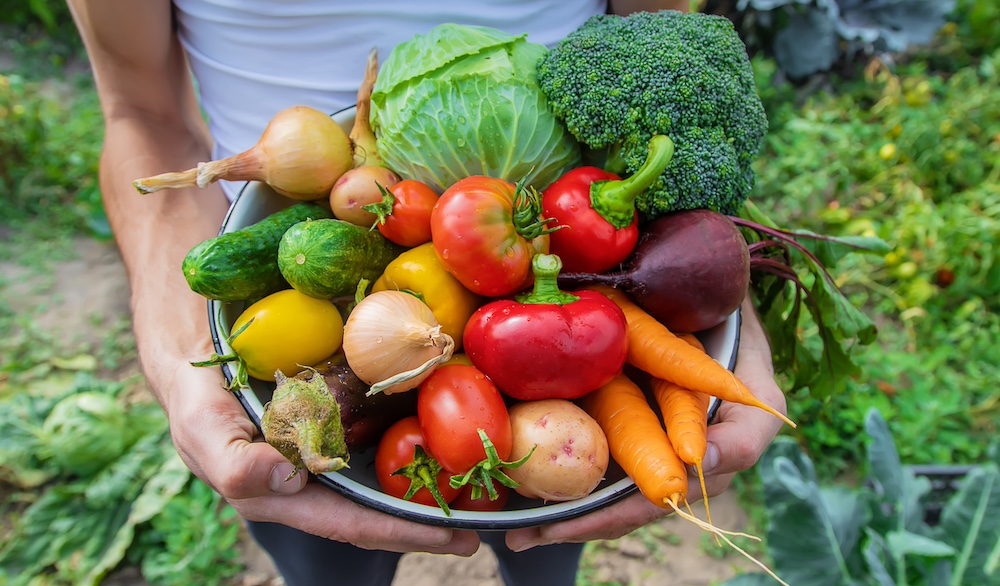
(656, 350)
(685, 415)
(637, 441)
(639, 444)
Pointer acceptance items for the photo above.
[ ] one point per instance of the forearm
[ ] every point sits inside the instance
(154, 232)
(624, 7)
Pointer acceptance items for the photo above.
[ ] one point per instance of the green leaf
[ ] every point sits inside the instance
(830, 249)
(899, 492)
(902, 543)
(878, 559)
(168, 481)
(970, 522)
(812, 532)
(886, 470)
(84, 362)
(837, 312)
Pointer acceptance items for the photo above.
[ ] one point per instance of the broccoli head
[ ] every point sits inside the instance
(617, 81)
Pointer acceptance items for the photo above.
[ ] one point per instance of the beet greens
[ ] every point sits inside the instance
(789, 270)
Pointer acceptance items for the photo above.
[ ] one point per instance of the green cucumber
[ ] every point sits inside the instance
(328, 258)
(243, 264)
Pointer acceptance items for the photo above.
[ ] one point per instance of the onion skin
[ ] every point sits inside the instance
(392, 341)
(301, 154)
(690, 270)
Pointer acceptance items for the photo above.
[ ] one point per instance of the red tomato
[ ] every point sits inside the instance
(404, 214)
(485, 231)
(452, 405)
(397, 450)
(465, 502)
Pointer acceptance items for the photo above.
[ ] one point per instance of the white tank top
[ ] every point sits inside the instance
(253, 58)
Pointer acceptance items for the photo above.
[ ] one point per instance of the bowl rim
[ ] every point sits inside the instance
(475, 520)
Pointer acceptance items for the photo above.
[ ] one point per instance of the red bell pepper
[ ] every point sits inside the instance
(595, 210)
(548, 344)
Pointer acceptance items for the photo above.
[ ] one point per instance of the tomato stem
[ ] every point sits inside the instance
(383, 208)
(423, 472)
(527, 214)
(483, 473)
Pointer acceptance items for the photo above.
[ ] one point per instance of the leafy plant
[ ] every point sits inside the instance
(49, 145)
(144, 504)
(877, 533)
(192, 541)
(796, 269)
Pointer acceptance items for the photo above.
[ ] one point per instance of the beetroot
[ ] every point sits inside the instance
(690, 270)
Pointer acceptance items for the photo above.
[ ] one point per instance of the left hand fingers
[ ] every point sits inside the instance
(611, 522)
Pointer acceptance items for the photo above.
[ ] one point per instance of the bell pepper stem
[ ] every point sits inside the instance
(615, 200)
(545, 268)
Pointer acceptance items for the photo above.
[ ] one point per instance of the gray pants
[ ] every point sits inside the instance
(307, 560)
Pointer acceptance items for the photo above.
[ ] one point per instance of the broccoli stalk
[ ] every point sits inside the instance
(617, 81)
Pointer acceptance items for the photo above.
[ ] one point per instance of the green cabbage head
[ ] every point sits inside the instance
(84, 432)
(464, 100)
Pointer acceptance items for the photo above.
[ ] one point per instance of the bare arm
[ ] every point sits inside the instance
(153, 125)
(624, 7)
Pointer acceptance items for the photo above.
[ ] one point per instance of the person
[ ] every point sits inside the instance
(250, 59)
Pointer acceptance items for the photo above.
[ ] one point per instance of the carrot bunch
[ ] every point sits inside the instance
(656, 455)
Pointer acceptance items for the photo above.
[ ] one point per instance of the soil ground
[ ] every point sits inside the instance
(84, 298)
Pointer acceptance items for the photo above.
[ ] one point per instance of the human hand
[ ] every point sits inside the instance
(737, 438)
(219, 443)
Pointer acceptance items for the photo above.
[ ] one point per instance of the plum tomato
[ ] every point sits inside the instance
(453, 404)
(465, 502)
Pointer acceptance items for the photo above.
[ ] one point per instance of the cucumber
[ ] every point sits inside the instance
(243, 264)
(327, 258)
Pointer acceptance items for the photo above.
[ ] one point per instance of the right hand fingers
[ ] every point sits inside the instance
(214, 436)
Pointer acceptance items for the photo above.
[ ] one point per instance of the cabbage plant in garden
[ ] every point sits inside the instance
(810, 36)
(879, 533)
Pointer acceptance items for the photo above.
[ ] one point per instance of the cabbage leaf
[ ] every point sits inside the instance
(464, 100)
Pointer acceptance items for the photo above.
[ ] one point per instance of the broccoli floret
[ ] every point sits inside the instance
(617, 81)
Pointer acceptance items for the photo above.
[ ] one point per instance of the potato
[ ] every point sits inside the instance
(571, 456)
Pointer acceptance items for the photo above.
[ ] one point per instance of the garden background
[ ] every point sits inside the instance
(882, 137)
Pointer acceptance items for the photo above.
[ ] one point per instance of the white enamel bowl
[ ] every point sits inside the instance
(358, 483)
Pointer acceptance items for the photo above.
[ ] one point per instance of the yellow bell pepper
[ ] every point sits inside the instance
(418, 270)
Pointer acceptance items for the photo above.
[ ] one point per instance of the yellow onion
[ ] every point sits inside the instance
(392, 342)
(301, 154)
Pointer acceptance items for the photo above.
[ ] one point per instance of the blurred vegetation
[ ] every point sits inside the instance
(909, 153)
(907, 149)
